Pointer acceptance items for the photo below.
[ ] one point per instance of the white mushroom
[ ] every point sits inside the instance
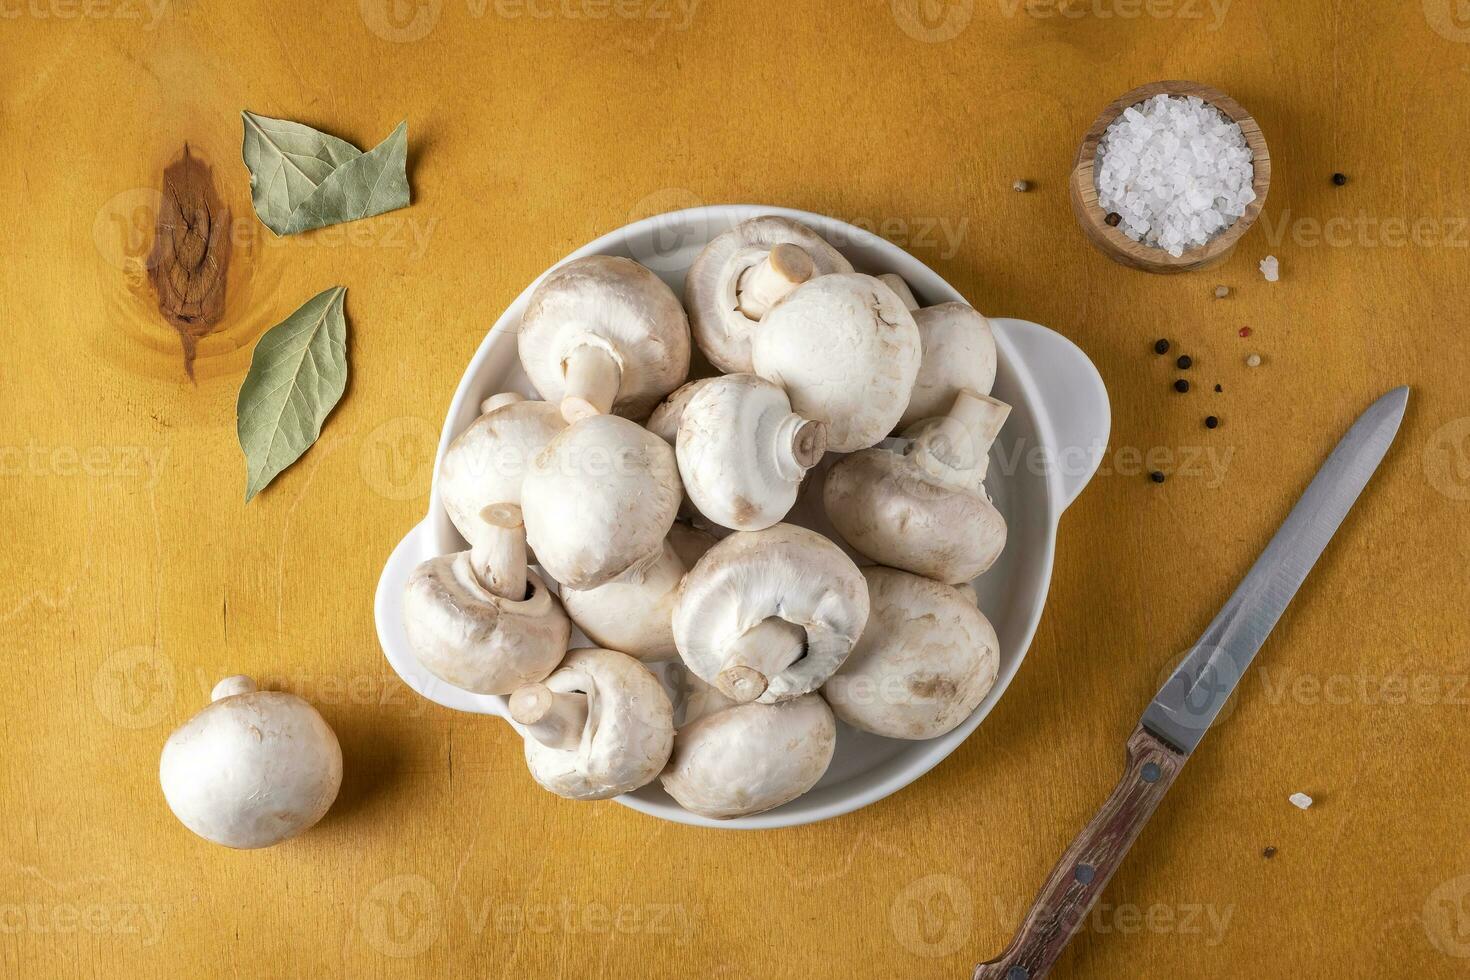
(487, 462)
(743, 452)
(599, 500)
(253, 768)
(741, 274)
(751, 758)
(634, 612)
(664, 422)
(692, 698)
(479, 619)
(924, 663)
(598, 727)
(925, 509)
(604, 334)
(958, 353)
(847, 351)
(770, 615)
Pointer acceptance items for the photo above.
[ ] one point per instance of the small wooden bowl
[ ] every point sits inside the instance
(1118, 246)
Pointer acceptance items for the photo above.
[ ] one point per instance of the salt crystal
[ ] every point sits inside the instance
(1301, 800)
(1271, 268)
(1222, 291)
(1177, 170)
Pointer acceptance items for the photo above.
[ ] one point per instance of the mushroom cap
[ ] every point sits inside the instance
(743, 453)
(477, 641)
(487, 462)
(628, 735)
(847, 352)
(251, 769)
(599, 499)
(926, 660)
(751, 758)
(664, 422)
(895, 512)
(692, 698)
(784, 572)
(958, 353)
(619, 306)
(634, 612)
(720, 329)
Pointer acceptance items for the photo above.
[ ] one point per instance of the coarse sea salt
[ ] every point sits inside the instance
(1177, 172)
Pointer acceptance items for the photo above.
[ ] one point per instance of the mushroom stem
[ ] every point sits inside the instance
(231, 686)
(960, 441)
(499, 556)
(592, 379)
(800, 445)
(500, 401)
(762, 285)
(552, 718)
(757, 655)
(895, 282)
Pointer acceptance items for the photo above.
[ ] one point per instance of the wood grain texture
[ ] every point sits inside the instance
(134, 576)
(1077, 882)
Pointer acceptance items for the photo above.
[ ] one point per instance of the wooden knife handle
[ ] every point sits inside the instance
(1083, 872)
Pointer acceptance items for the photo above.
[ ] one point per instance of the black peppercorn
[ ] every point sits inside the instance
(1156, 476)
(1181, 386)
(1185, 362)
(1339, 179)
(1219, 388)
(1211, 422)
(1161, 347)
(1268, 853)
(1113, 219)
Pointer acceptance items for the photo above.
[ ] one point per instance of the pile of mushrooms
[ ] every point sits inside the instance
(726, 643)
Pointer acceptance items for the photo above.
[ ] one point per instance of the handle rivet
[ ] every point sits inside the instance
(1151, 772)
(1084, 873)
(1018, 973)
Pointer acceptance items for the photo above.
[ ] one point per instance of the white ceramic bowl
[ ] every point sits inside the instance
(1049, 449)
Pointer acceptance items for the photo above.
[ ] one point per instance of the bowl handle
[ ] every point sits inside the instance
(1074, 401)
(388, 611)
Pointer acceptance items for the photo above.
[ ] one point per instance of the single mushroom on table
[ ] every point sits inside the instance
(743, 452)
(924, 663)
(604, 334)
(770, 615)
(251, 769)
(741, 274)
(487, 462)
(846, 350)
(958, 353)
(634, 612)
(480, 619)
(749, 758)
(599, 726)
(924, 509)
(599, 500)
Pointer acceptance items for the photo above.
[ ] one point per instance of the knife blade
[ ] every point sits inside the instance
(1193, 695)
(1191, 698)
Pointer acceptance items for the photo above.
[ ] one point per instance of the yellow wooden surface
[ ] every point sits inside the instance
(134, 575)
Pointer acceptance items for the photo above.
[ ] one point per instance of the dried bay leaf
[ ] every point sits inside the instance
(297, 374)
(287, 163)
(301, 178)
(375, 182)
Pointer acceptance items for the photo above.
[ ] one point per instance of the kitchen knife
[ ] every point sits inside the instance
(1193, 695)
